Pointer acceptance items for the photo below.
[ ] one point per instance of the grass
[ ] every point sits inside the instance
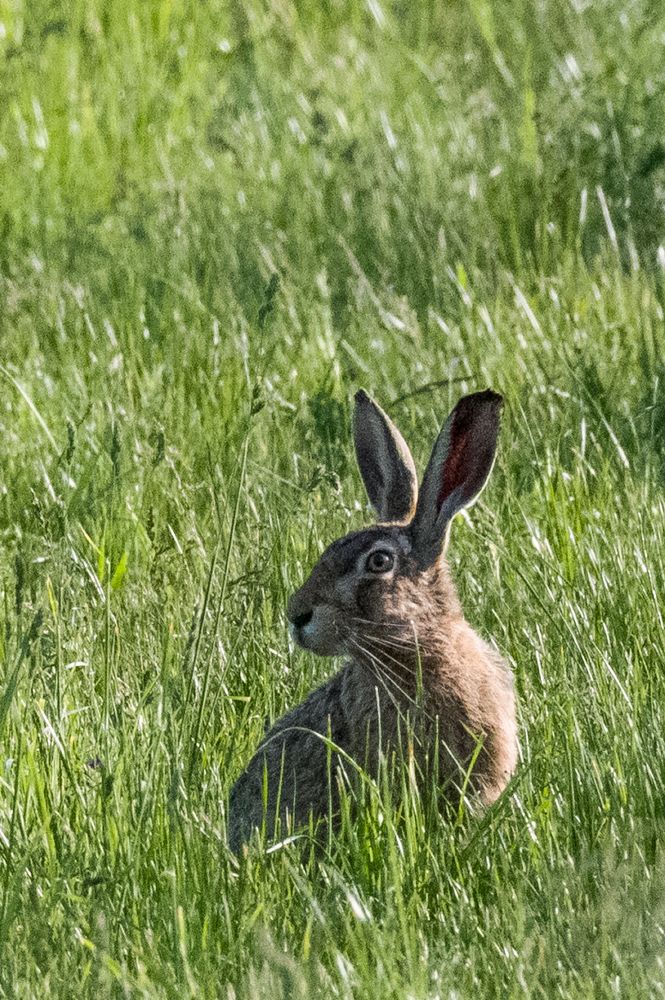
(466, 194)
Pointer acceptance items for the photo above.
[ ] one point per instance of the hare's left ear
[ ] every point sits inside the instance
(458, 469)
(385, 461)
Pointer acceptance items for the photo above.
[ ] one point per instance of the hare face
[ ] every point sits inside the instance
(355, 581)
(370, 589)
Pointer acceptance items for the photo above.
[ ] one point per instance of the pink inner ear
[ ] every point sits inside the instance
(453, 472)
(472, 433)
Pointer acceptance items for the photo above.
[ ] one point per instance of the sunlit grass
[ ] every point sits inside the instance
(452, 196)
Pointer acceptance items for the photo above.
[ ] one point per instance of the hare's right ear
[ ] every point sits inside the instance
(385, 461)
(460, 465)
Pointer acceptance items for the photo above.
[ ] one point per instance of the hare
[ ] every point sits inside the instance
(384, 598)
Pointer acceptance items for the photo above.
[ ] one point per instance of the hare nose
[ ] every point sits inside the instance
(300, 620)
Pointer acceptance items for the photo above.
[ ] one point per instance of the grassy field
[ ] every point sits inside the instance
(217, 220)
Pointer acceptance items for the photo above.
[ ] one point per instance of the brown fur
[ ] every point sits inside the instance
(414, 662)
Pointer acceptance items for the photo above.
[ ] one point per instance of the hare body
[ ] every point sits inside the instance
(384, 597)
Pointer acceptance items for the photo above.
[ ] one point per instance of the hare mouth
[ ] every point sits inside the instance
(316, 636)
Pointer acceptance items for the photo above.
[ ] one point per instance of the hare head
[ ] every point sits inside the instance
(391, 579)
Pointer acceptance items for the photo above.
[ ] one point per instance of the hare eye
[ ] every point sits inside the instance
(380, 561)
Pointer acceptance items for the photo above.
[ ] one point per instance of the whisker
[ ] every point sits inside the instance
(388, 674)
(380, 640)
(382, 624)
(392, 640)
(378, 671)
(393, 675)
(393, 659)
(375, 667)
(392, 643)
(350, 634)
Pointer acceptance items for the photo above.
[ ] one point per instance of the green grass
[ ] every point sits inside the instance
(470, 192)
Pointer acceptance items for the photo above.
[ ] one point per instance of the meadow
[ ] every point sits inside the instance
(217, 221)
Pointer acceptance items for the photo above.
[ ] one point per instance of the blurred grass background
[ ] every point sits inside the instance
(216, 221)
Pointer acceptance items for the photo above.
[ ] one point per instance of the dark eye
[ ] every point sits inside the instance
(380, 561)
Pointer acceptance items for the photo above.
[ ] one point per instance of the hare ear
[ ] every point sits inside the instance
(385, 461)
(458, 469)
